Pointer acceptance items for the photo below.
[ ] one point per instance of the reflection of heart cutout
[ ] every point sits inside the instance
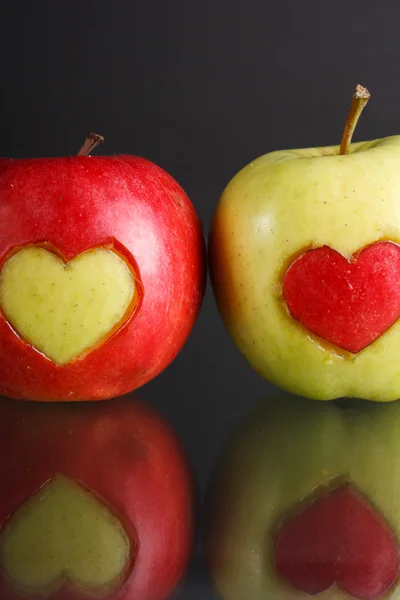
(338, 538)
(347, 302)
(63, 533)
(66, 309)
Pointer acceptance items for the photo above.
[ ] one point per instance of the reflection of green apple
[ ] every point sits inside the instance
(338, 333)
(287, 465)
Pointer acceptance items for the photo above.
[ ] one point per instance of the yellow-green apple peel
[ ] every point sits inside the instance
(65, 308)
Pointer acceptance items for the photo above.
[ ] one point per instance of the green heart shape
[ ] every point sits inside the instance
(64, 533)
(65, 309)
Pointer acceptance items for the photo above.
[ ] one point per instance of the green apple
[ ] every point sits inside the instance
(305, 266)
(305, 502)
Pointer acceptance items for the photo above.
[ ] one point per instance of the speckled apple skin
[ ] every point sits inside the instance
(275, 459)
(275, 208)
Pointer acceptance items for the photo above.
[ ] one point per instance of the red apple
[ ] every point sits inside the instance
(95, 502)
(102, 274)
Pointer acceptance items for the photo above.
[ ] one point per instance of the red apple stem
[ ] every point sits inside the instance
(360, 98)
(91, 142)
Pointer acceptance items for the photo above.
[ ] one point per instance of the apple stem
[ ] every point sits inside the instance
(91, 142)
(360, 98)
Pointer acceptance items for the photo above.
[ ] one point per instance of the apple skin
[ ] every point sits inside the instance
(274, 209)
(76, 203)
(278, 456)
(128, 455)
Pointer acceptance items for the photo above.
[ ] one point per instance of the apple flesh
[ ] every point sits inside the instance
(93, 496)
(286, 204)
(102, 275)
(304, 503)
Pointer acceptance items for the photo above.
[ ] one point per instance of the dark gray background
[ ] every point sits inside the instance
(201, 88)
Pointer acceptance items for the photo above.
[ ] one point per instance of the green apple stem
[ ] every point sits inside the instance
(360, 98)
(91, 142)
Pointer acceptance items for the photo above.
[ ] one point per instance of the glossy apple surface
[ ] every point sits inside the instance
(304, 250)
(305, 503)
(102, 274)
(96, 502)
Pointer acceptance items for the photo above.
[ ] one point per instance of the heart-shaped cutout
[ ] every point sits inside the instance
(65, 309)
(338, 538)
(63, 533)
(349, 303)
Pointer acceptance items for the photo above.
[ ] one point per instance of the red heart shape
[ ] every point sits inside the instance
(339, 538)
(347, 302)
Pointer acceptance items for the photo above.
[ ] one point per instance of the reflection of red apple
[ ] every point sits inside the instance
(95, 502)
(305, 503)
(102, 272)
